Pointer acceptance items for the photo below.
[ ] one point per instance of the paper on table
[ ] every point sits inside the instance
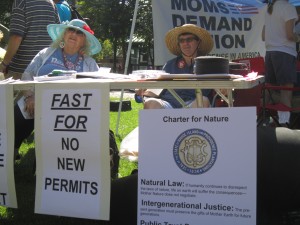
(147, 74)
(98, 75)
(53, 78)
(21, 104)
(198, 77)
(8, 80)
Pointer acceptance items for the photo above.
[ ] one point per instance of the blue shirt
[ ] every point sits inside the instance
(179, 66)
(56, 62)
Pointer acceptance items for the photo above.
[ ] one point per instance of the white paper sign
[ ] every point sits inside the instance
(7, 179)
(73, 171)
(197, 165)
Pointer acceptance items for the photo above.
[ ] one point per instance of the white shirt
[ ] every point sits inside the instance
(275, 33)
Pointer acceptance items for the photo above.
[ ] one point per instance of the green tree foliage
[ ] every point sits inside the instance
(5, 10)
(112, 20)
(144, 26)
(106, 52)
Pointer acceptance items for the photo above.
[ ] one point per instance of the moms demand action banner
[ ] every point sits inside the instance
(8, 196)
(234, 25)
(72, 152)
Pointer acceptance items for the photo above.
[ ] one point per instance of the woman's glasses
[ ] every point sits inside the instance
(188, 40)
(78, 32)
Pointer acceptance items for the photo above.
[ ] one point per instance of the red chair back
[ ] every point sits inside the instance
(256, 64)
(298, 65)
(253, 96)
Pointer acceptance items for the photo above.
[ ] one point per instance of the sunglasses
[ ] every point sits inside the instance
(187, 40)
(78, 32)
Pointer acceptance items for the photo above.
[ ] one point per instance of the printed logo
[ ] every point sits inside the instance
(181, 64)
(195, 151)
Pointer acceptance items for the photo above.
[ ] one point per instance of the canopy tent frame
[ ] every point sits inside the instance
(127, 62)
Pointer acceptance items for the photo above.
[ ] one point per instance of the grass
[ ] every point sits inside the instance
(25, 179)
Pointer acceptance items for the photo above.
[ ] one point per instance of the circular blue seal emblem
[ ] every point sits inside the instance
(195, 151)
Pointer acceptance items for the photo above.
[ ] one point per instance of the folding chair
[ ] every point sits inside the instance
(271, 109)
(219, 96)
(248, 97)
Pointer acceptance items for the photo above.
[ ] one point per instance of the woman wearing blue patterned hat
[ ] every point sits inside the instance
(73, 44)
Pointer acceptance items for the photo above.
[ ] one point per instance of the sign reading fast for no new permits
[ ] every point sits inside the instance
(73, 171)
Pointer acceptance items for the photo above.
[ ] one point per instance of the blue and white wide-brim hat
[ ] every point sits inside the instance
(56, 30)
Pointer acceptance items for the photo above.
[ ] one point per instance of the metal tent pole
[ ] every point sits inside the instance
(127, 62)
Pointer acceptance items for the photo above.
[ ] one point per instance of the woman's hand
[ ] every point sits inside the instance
(140, 92)
(29, 103)
(3, 68)
(29, 106)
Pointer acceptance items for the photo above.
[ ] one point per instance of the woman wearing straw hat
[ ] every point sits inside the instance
(186, 42)
(73, 44)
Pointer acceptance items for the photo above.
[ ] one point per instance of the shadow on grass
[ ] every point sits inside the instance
(25, 188)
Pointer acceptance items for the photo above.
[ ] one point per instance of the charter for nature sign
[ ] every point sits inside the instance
(73, 171)
(7, 180)
(197, 165)
(235, 26)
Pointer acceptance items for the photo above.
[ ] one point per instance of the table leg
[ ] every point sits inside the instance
(228, 99)
(199, 98)
(178, 98)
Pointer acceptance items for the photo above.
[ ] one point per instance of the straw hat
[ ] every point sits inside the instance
(56, 30)
(204, 47)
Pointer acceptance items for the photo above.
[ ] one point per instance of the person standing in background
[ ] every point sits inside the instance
(28, 34)
(281, 55)
(64, 10)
